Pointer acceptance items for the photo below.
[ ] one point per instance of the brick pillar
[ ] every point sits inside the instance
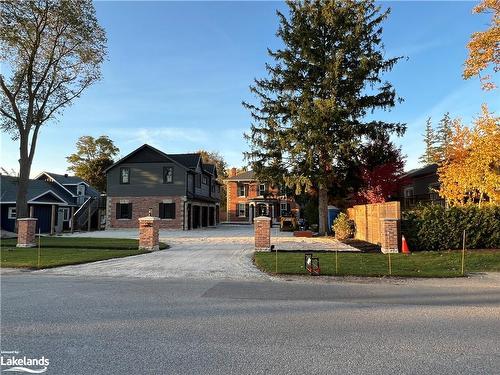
(149, 233)
(26, 230)
(262, 226)
(389, 235)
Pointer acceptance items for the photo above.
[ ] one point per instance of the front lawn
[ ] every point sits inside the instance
(61, 251)
(418, 264)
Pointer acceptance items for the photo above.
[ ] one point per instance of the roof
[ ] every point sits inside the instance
(66, 179)
(427, 170)
(209, 168)
(188, 160)
(36, 188)
(243, 176)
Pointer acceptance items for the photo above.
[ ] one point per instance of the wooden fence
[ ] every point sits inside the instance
(368, 217)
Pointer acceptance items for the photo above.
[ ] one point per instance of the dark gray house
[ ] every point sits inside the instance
(178, 188)
(420, 186)
(59, 202)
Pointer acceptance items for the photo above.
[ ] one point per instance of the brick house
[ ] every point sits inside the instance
(178, 188)
(248, 198)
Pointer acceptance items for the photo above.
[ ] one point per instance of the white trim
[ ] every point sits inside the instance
(78, 183)
(47, 191)
(54, 180)
(9, 213)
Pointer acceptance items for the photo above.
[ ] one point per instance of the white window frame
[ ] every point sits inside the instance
(12, 213)
(285, 204)
(244, 190)
(262, 189)
(240, 210)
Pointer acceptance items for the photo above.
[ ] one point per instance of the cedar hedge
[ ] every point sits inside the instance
(434, 227)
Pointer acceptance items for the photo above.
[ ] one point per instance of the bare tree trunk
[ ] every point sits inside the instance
(322, 209)
(24, 175)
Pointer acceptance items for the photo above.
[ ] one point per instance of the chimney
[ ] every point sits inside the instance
(65, 175)
(233, 172)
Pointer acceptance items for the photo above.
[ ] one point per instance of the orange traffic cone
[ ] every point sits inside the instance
(405, 249)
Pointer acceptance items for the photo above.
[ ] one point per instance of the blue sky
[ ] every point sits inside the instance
(177, 72)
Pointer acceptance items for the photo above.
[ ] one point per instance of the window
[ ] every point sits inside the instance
(124, 210)
(241, 190)
(167, 210)
(12, 213)
(434, 191)
(262, 189)
(241, 210)
(205, 180)
(409, 197)
(168, 175)
(124, 175)
(80, 190)
(65, 213)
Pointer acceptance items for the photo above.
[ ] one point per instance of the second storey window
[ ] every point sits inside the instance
(12, 213)
(205, 180)
(168, 175)
(124, 175)
(262, 189)
(124, 210)
(241, 190)
(167, 210)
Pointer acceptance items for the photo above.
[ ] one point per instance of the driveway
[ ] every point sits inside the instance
(215, 253)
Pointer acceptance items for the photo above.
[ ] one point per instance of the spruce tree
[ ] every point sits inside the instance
(429, 156)
(310, 121)
(444, 133)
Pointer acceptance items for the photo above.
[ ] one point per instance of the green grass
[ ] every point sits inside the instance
(418, 264)
(61, 251)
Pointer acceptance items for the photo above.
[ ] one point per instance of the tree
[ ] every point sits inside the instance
(471, 171)
(484, 46)
(430, 154)
(53, 51)
(310, 119)
(381, 167)
(92, 157)
(444, 133)
(216, 158)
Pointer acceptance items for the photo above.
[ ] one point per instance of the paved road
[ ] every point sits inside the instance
(216, 253)
(305, 326)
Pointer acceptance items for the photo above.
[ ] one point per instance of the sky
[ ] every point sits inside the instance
(177, 72)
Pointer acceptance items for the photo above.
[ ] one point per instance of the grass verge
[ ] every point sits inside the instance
(61, 251)
(418, 264)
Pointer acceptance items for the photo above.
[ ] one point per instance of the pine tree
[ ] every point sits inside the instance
(429, 156)
(444, 133)
(310, 122)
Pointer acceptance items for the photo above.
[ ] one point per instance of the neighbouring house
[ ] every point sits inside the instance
(248, 198)
(178, 188)
(59, 202)
(420, 186)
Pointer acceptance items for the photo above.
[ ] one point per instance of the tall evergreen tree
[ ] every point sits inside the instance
(310, 121)
(444, 133)
(429, 156)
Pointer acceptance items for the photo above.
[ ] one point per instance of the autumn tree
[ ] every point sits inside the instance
(91, 159)
(484, 46)
(52, 51)
(310, 120)
(382, 165)
(471, 171)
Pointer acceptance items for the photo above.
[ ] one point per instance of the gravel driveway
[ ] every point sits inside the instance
(215, 253)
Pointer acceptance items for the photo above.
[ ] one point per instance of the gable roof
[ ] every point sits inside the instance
(243, 176)
(168, 158)
(66, 179)
(187, 160)
(36, 190)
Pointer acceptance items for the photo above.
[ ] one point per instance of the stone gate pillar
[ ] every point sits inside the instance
(262, 227)
(26, 231)
(149, 233)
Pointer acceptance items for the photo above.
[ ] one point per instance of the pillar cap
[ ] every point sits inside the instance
(149, 218)
(262, 218)
(388, 219)
(27, 219)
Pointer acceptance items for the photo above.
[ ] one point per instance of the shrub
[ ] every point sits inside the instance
(311, 212)
(343, 227)
(434, 227)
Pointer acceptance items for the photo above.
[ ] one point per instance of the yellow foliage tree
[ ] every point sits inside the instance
(470, 172)
(484, 46)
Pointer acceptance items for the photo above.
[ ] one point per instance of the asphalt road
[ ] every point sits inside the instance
(175, 326)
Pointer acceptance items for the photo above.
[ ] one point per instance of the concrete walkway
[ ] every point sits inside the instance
(216, 253)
